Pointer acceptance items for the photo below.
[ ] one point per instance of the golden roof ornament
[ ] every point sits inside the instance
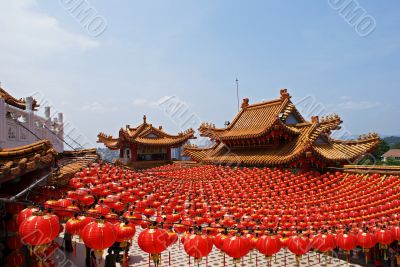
(245, 103)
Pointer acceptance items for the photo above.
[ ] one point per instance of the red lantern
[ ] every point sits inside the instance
(15, 259)
(384, 237)
(219, 241)
(198, 246)
(14, 208)
(124, 232)
(396, 233)
(14, 242)
(269, 245)
(87, 200)
(153, 241)
(298, 245)
(73, 226)
(236, 247)
(39, 229)
(172, 238)
(366, 240)
(98, 235)
(25, 213)
(324, 242)
(346, 242)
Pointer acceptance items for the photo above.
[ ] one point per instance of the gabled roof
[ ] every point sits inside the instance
(393, 153)
(255, 120)
(17, 161)
(145, 134)
(18, 103)
(309, 137)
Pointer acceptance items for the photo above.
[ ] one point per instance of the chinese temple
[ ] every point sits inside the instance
(145, 143)
(274, 133)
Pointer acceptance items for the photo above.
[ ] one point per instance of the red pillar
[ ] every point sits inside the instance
(133, 152)
(168, 153)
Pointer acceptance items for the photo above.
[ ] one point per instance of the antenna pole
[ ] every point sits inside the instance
(237, 92)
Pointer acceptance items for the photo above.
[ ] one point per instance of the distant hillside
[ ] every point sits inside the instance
(392, 140)
(107, 154)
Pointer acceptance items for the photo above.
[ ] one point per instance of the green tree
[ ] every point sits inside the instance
(392, 162)
(396, 146)
(381, 149)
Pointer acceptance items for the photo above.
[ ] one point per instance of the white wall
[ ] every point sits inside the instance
(13, 134)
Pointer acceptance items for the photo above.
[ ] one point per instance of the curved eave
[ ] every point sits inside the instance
(19, 161)
(177, 141)
(338, 150)
(18, 103)
(108, 141)
(218, 134)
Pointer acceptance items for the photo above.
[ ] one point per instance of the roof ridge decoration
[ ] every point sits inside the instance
(18, 103)
(139, 135)
(254, 121)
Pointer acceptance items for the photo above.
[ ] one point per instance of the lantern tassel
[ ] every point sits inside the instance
(75, 248)
(284, 261)
(256, 260)
(169, 258)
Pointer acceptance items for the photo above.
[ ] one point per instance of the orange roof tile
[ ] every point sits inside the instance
(145, 134)
(254, 120)
(12, 101)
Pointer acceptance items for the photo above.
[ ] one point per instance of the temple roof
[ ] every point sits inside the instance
(255, 120)
(145, 134)
(18, 103)
(308, 137)
(20, 160)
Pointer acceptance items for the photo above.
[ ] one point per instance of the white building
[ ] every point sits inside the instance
(21, 125)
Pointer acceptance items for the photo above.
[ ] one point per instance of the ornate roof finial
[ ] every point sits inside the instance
(245, 103)
(284, 94)
(144, 118)
(315, 119)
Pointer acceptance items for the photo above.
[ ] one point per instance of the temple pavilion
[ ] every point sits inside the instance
(274, 133)
(145, 144)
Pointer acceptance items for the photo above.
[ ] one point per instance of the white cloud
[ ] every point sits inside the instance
(28, 34)
(348, 104)
(97, 107)
(141, 102)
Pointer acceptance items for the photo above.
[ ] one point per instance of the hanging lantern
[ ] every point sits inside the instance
(14, 242)
(396, 233)
(39, 229)
(15, 259)
(153, 241)
(73, 226)
(384, 237)
(298, 245)
(236, 247)
(219, 241)
(124, 232)
(346, 241)
(198, 246)
(269, 245)
(172, 238)
(98, 236)
(25, 213)
(324, 242)
(366, 241)
(87, 200)
(14, 208)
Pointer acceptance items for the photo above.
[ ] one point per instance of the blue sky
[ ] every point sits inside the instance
(194, 50)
